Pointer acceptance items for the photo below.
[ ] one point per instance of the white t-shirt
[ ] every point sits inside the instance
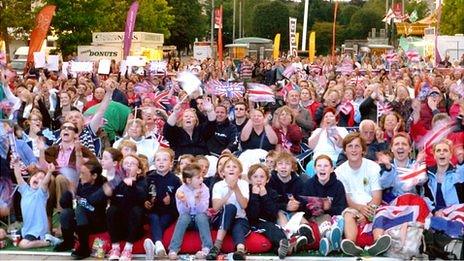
(221, 189)
(360, 183)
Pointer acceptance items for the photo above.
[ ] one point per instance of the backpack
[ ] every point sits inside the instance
(436, 244)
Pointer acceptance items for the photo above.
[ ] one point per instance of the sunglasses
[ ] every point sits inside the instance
(72, 128)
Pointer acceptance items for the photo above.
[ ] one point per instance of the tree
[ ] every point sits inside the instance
(452, 17)
(323, 37)
(17, 17)
(188, 24)
(346, 12)
(421, 8)
(75, 21)
(362, 21)
(270, 19)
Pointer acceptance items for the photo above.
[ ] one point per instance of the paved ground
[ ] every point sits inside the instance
(13, 255)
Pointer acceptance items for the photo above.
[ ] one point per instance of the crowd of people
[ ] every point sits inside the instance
(345, 145)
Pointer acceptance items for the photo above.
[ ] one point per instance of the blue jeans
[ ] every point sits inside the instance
(226, 220)
(185, 221)
(158, 224)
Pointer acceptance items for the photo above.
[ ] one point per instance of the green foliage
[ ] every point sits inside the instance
(188, 23)
(75, 20)
(323, 37)
(270, 19)
(452, 17)
(362, 21)
(15, 14)
(346, 12)
(420, 7)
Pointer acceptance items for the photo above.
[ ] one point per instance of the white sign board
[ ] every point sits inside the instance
(136, 61)
(118, 37)
(90, 53)
(202, 52)
(39, 60)
(53, 62)
(104, 66)
(292, 34)
(82, 66)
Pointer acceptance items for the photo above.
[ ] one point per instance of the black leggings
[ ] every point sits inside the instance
(125, 224)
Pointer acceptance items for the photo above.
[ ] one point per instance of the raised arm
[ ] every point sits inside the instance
(246, 131)
(46, 180)
(96, 121)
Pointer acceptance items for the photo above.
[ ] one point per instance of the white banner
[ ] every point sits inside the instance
(292, 35)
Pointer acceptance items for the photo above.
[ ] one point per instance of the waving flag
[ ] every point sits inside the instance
(143, 87)
(260, 93)
(383, 108)
(289, 71)
(160, 99)
(287, 88)
(392, 57)
(437, 133)
(392, 216)
(227, 89)
(454, 213)
(413, 55)
(412, 177)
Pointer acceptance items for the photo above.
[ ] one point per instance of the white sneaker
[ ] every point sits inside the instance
(53, 240)
(159, 249)
(149, 249)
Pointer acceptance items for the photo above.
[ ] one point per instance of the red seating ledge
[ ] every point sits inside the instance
(255, 242)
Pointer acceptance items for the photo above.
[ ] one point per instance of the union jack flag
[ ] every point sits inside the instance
(227, 89)
(383, 108)
(412, 177)
(454, 213)
(258, 92)
(287, 88)
(437, 133)
(413, 55)
(392, 57)
(160, 99)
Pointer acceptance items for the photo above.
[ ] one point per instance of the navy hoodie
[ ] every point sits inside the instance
(169, 184)
(225, 137)
(262, 207)
(333, 188)
(293, 187)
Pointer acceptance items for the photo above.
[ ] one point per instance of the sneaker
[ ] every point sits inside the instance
(63, 247)
(159, 249)
(54, 241)
(202, 253)
(114, 254)
(213, 253)
(350, 248)
(380, 246)
(80, 254)
(172, 255)
(149, 249)
(126, 255)
(335, 238)
(282, 251)
(305, 230)
(239, 255)
(301, 242)
(324, 246)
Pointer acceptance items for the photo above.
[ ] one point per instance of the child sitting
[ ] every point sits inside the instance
(325, 187)
(262, 211)
(192, 205)
(289, 187)
(230, 198)
(162, 185)
(33, 207)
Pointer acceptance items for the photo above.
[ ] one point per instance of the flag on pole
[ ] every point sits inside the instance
(129, 29)
(413, 55)
(413, 16)
(289, 71)
(275, 52)
(42, 23)
(388, 16)
(383, 108)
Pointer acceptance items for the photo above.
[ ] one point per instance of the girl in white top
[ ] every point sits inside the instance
(230, 199)
(329, 137)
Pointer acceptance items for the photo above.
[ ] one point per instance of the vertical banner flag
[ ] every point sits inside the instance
(312, 46)
(292, 35)
(297, 36)
(38, 34)
(129, 30)
(275, 53)
(218, 23)
(334, 29)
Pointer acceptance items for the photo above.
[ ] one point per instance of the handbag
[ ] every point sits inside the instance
(406, 240)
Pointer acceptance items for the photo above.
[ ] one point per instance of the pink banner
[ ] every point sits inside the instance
(130, 24)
